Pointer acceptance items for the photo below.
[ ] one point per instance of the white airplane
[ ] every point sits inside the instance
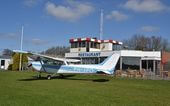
(60, 66)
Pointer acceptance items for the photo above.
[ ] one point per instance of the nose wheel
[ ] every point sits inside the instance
(49, 77)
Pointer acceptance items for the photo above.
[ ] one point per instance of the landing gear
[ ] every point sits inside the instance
(61, 76)
(49, 77)
(39, 75)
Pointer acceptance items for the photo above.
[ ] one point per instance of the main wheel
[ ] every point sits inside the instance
(38, 76)
(49, 77)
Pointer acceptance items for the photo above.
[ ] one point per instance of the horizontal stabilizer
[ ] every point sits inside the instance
(107, 72)
(20, 51)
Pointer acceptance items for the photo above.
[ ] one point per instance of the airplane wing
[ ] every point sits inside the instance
(48, 57)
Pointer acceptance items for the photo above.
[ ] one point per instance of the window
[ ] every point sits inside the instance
(116, 47)
(131, 62)
(74, 45)
(79, 44)
(83, 44)
(94, 45)
(52, 62)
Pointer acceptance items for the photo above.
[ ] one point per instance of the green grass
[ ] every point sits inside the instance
(21, 89)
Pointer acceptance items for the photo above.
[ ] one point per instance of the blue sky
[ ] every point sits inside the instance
(50, 23)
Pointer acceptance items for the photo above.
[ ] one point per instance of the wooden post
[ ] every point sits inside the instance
(154, 66)
(146, 64)
(140, 64)
(120, 63)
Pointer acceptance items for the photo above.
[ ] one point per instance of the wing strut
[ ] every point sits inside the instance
(42, 64)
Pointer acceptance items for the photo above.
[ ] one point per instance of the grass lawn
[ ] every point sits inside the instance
(21, 89)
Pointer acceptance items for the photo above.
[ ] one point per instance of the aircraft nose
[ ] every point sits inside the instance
(37, 66)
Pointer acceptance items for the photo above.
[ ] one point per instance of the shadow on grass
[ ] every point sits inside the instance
(83, 79)
(66, 77)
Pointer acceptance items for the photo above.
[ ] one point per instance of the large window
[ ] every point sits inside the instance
(83, 44)
(95, 45)
(74, 45)
(116, 47)
(131, 62)
(92, 45)
(79, 44)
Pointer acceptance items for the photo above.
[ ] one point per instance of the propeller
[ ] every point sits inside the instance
(29, 64)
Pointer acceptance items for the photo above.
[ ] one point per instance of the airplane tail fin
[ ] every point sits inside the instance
(109, 64)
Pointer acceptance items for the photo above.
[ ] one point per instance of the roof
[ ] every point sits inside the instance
(94, 40)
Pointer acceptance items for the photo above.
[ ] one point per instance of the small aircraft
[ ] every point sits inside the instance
(53, 66)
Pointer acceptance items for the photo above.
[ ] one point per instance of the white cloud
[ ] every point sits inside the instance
(116, 15)
(9, 36)
(30, 3)
(38, 42)
(72, 12)
(145, 5)
(149, 29)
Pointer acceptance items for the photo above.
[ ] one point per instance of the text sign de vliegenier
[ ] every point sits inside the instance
(94, 54)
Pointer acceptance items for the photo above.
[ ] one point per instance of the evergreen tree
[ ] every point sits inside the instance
(16, 61)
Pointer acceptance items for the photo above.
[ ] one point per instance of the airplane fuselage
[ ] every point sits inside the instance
(68, 68)
(48, 68)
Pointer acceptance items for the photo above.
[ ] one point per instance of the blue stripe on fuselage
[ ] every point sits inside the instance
(55, 68)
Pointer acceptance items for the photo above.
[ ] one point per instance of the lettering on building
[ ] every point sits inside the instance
(89, 54)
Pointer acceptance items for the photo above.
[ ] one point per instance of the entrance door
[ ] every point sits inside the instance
(2, 64)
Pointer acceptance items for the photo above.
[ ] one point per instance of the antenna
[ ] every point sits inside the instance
(101, 24)
(22, 35)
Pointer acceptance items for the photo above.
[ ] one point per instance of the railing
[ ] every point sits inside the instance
(143, 74)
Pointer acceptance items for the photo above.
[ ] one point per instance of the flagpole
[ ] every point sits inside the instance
(20, 63)
(101, 25)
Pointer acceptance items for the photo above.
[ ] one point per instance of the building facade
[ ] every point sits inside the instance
(166, 61)
(93, 51)
(4, 62)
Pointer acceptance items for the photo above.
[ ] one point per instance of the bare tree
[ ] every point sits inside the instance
(58, 51)
(7, 52)
(141, 42)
